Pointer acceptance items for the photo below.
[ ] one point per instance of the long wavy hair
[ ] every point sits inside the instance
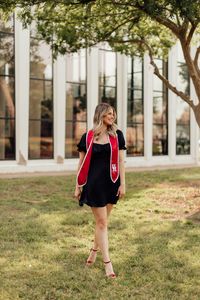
(100, 112)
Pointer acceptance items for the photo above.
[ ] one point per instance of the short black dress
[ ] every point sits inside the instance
(99, 189)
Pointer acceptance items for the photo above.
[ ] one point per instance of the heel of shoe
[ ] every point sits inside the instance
(90, 262)
(111, 275)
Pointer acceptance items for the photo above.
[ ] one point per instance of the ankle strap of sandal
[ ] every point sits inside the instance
(93, 249)
(107, 262)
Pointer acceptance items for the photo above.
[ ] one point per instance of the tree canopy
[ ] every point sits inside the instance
(129, 26)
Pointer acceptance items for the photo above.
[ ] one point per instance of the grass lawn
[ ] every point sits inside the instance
(154, 235)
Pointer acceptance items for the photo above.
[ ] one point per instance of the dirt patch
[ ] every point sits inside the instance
(177, 202)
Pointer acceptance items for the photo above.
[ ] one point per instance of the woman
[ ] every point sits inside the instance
(101, 176)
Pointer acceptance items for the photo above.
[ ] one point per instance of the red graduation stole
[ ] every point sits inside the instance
(114, 159)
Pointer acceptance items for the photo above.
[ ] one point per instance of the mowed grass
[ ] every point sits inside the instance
(154, 236)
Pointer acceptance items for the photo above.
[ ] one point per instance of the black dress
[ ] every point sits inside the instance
(99, 189)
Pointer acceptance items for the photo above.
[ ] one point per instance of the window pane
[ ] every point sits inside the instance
(107, 77)
(108, 95)
(135, 108)
(183, 78)
(138, 64)
(135, 112)
(160, 112)
(7, 139)
(7, 94)
(137, 80)
(107, 68)
(7, 90)
(6, 54)
(160, 140)
(41, 101)
(135, 94)
(159, 63)
(138, 95)
(40, 60)
(135, 75)
(40, 139)
(182, 139)
(76, 102)
(157, 84)
(182, 112)
(182, 108)
(74, 131)
(76, 67)
(182, 128)
(135, 139)
(159, 108)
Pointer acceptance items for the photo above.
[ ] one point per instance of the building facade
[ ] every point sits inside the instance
(46, 105)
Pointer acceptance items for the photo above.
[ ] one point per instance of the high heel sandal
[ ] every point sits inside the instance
(111, 275)
(91, 262)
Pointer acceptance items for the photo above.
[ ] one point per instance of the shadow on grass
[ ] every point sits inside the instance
(165, 264)
(195, 217)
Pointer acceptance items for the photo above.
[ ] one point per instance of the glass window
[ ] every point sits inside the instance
(135, 108)
(41, 100)
(76, 102)
(7, 62)
(160, 112)
(7, 90)
(40, 60)
(108, 76)
(182, 108)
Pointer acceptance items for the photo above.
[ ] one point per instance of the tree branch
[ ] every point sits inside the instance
(190, 34)
(182, 95)
(192, 70)
(162, 20)
(196, 60)
(169, 24)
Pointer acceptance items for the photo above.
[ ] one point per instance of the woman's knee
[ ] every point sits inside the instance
(101, 223)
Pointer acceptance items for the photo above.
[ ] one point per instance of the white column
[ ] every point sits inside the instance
(122, 79)
(59, 108)
(172, 100)
(22, 63)
(148, 107)
(92, 84)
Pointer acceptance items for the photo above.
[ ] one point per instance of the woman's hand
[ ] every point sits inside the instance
(121, 191)
(77, 192)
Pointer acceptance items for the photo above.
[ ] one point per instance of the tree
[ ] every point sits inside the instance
(129, 26)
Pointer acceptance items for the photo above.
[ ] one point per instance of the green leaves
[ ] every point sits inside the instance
(124, 24)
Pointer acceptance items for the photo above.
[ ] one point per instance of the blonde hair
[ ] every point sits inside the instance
(100, 112)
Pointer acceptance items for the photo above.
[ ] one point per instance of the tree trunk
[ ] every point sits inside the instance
(191, 68)
(196, 110)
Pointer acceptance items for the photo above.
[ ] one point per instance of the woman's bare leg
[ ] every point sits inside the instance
(93, 254)
(109, 208)
(101, 234)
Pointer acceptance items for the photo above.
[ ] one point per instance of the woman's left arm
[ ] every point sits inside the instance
(122, 187)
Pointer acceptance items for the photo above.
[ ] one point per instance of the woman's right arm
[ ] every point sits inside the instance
(77, 192)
